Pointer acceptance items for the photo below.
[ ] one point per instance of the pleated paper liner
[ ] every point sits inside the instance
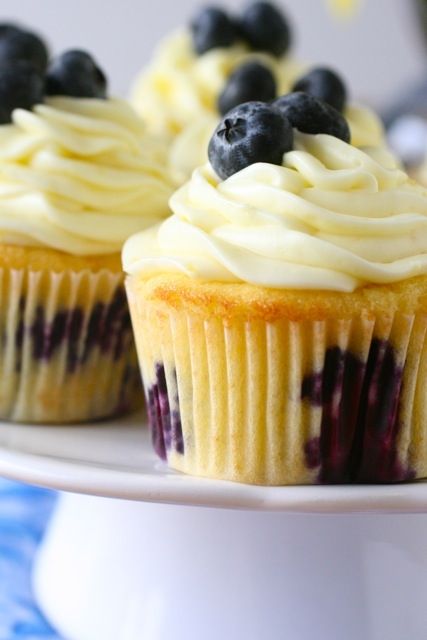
(66, 350)
(285, 402)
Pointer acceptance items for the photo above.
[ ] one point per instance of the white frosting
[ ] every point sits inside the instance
(332, 217)
(189, 149)
(179, 87)
(80, 175)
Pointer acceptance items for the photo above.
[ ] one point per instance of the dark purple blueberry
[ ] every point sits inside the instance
(116, 317)
(21, 87)
(251, 81)
(324, 84)
(310, 115)
(161, 379)
(212, 28)
(340, 380)
(16, 44)
(252, 132)
(165, 421)
(19, 335)
(265, 28)
(360, 417)
(38, 333)
(376, 455)
(74, 329)
(94, 330)
(7, 28)
(75, 73)
(55, 334)
(155, 421)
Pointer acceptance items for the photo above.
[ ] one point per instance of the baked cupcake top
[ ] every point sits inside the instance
(287, 202)
(78, 171)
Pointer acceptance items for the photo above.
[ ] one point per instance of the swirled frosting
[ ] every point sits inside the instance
(179, 86)
(331, 217)
(189, 149)
(80, 176)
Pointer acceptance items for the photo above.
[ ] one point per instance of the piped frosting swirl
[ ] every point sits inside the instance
(80, 176)
(331, 217)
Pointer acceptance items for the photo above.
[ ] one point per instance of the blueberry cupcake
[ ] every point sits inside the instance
(199, 74)
(78, 175)
(280, 314)
(253, 81)
(190, 68)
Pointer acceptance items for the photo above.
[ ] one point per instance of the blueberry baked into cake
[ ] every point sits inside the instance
(78, 175)
(280, 313)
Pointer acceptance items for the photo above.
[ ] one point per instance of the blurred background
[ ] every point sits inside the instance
(380, 51)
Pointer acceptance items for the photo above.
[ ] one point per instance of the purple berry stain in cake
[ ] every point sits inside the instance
(360, 417)
(165, 422)
(337, 390)
(108, 329)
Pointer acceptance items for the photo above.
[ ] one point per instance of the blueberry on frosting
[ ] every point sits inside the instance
(16, 44)
(212, 28)
(21, 86)
(250, 81)
(310, 115)
(325, 84)
(265, 28)
(75, 73)
(252, 132)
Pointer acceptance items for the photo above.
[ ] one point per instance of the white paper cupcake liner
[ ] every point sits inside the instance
(66, 347)
(286, 402)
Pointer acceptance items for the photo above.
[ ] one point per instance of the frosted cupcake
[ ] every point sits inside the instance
(190, 68)
(252, 81)
(78, 175)
(280, 313)
(201, 73)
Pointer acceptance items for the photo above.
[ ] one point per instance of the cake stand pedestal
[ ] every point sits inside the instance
(148, 554)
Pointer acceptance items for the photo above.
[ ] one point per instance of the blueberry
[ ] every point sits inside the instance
(17, 44)
(252, 132)
(250, 81)
(310, 115)
(75, 73)
(21, 86)
(8, 27)
(212, 28)
(325, 84)
(265, 28)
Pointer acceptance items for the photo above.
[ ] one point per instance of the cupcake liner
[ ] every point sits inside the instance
(285, 402)
(66, 348)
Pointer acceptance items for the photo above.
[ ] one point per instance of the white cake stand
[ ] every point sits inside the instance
(152, 555)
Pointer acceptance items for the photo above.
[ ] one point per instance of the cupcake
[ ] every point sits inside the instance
(191, 67)
(78, 175)
(190, 148)
(200, 73)
(280, 314)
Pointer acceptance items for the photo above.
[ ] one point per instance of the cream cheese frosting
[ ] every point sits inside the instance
(332, 217)
(80, 176)
(179, 87)
(189, 149)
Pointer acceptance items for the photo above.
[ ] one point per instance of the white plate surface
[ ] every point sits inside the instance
(115, 460)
